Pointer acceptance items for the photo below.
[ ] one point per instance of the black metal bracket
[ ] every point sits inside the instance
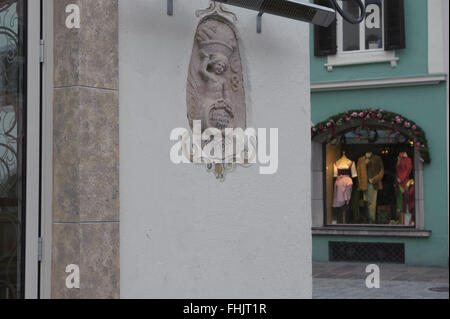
(259, 22)
(170, 7)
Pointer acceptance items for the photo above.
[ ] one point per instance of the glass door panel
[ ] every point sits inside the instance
(12, 154)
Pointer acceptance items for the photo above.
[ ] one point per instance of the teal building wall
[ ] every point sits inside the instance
(424, 104)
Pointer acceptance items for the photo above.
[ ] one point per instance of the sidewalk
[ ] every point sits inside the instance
(347, 281)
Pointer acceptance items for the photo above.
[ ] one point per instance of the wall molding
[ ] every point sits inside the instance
(361, 57)
(367, 232)
(378, 83)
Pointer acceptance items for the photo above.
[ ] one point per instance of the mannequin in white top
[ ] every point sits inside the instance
(344, 163)
(344, 171)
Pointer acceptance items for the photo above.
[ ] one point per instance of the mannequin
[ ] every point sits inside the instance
(370, 174)
(344, 171)
(405, 189)
(404, 168)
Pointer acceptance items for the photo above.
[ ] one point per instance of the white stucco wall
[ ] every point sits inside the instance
(183, 234)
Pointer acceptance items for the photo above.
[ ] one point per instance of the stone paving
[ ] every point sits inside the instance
(347, 281)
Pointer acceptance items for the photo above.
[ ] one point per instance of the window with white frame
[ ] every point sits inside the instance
(366, 36)
(372, 41)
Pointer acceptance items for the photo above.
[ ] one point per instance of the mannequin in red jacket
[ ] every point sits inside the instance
(404, 169)
(405, 185)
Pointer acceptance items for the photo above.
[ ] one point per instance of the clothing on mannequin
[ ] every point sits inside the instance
(409, 202)
(370, 170)
(403, 169)
(405, 187)
(344, 170)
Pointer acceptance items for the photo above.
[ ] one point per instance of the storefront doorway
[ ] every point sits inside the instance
(19, 148)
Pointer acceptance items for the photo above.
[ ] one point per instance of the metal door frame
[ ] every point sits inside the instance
(33, 106)
(46, 149)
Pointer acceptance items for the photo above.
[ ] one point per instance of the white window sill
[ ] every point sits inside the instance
(366, 57)
(370, 232)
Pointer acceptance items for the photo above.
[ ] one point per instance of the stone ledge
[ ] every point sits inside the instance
(370, 232)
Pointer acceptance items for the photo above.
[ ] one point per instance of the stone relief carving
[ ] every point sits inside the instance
(215, 92)
(215, 85)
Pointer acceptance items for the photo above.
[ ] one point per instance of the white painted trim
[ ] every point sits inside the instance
(317, 202)
(47, 152)
(436, 62)
(378, 83)
(32, 158)
(419, 192)
(317, 193)
(366, 232)
(361, 57)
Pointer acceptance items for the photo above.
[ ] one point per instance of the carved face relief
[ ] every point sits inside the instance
(215, 92)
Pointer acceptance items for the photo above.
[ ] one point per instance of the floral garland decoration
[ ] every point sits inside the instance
(398, 123)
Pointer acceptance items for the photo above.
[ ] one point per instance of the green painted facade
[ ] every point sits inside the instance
(424, 104)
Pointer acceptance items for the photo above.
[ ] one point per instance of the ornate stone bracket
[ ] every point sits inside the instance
(213, 8)
(218, 9)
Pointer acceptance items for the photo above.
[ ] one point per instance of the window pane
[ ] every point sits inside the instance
(12, 101)
(350, 32)
(374, 24)
(370, 180)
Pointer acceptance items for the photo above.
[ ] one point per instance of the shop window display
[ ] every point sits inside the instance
(369, 179)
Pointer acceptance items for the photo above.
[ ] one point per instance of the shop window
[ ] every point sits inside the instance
(369, 180)
(367, 170)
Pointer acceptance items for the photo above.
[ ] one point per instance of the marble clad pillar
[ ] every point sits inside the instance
(86, 150)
